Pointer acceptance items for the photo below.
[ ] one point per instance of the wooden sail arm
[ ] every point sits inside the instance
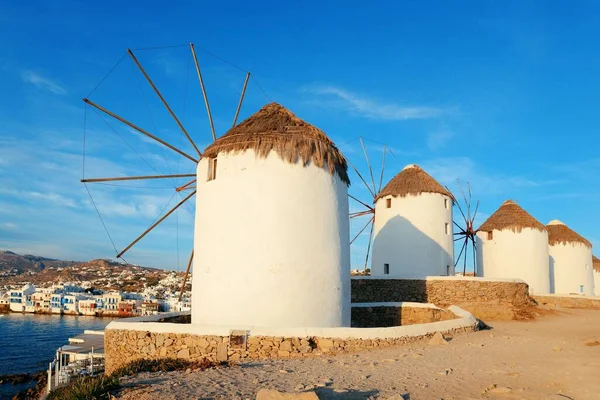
(361, 213)
(134, 178)
(210, 119)
(237, 112)
(368, 163)
(140, 130)
(361, 178)
(154, 225)
(361, 231)
(135, 60)
(187, 272)
(364, 204)
(186, 186)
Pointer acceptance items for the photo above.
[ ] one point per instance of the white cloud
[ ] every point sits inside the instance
(360, 105)
(10, 225)
(42, 82)
(438, 139)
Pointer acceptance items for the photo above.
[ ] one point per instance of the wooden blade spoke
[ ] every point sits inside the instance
(210, 119)
(459, 207)
(361, 213)
(135, 60)
(364, 204)
(186, 186)
(459, 227)
(474, 256)
(361, 231)
(459, 254)
(368, 163)
(154, 225)
(465, 259)
(140, 130)
(466, 203)
(382, 168)
(361, 178)
(237, 112)
(135, 178)
(187, 272)
(476, 208)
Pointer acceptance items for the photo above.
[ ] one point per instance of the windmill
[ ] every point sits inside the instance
(467, 233)
(189, 187)
(373, 189)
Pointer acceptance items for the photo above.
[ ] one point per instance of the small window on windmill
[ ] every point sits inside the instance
(447, 228)
(388, 203)
(490, 235)
(238, 340)
(446, 203)
(580, 288)
(212, 169)
(386, 269)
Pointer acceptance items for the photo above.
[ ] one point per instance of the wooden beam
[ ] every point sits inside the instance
(186, 186)
(134, 178)
(364, 204)
(154, 225)
(361, 231)
(239, 107)
(135, 60)
(210, 119)
(361, 178)
(368, 162)
(140, 130)
(187, 272)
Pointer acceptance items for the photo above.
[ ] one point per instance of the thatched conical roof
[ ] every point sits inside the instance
(511, 216)
(276, 128)
(559, 233)
(414, 181)
(596, 263)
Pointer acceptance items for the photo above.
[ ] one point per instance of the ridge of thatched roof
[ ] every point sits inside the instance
(511, 216)
(559, 233)
(276, 128)
(412, 180)
(596, 263)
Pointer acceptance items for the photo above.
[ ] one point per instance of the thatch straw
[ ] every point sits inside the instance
(559, 233)
(276, 128)
(414, 181)
(596, 263)
(510, 216)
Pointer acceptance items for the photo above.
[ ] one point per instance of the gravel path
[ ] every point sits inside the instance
(555, 357)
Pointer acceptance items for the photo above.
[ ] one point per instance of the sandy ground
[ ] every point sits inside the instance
(555, 357)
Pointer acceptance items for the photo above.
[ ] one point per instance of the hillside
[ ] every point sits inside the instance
(101, 274)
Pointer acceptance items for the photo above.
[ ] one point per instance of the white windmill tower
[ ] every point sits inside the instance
(571, 266)
(271, 238)
(596, 265)
(513, 244)
(271, 244)
(413, 227)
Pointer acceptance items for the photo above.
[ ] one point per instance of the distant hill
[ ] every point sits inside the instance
(15, 264)
(102, 274)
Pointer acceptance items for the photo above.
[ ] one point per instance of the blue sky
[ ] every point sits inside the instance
(500, 94)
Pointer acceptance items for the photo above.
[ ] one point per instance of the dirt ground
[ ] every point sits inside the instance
(554, 357)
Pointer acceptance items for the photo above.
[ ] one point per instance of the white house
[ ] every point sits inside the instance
(571, 270)
(20, 297)
(271, 245)
(413, 235)
(513, 244)
(596, 266)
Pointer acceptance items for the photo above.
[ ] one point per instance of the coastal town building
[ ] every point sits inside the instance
(513, 244)
(271, 242)
(20, 296)
(571, 269)
(413, 227)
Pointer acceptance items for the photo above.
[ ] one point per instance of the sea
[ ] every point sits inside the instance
(28, 342)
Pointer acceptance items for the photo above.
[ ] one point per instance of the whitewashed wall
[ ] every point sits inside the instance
(271, 245)
(596, 283)
(571, 267)
(411, 236)
(521, 255)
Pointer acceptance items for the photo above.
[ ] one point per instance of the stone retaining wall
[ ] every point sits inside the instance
(372, 316)
(486, 299)
(143, 337)
(568, 301)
